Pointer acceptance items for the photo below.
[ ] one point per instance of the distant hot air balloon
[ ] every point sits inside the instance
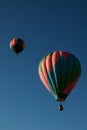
(59, 71)
(17, 45)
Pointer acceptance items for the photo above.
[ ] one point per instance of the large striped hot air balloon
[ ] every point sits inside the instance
(59, 71)
(17, 45)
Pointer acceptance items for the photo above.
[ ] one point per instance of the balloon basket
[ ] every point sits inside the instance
(60, 107)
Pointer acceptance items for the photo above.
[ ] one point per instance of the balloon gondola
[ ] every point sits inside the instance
(59, 71)
(60, 107)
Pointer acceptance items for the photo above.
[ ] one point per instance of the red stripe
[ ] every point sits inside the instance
(43, 79)
(49, 63)
(55, 57)
(44, 69)
(70, 87)
(65, 55)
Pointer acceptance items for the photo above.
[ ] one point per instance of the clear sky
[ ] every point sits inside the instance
(45, 25)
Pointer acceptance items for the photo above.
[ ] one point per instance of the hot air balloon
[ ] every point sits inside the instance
(59, 71)
(17, 45)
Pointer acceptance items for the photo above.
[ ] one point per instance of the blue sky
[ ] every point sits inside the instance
(45, 26)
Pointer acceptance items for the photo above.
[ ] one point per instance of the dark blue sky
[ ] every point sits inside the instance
(45, 26)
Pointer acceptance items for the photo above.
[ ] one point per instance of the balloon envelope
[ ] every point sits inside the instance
(17, 45)
(59, 71)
